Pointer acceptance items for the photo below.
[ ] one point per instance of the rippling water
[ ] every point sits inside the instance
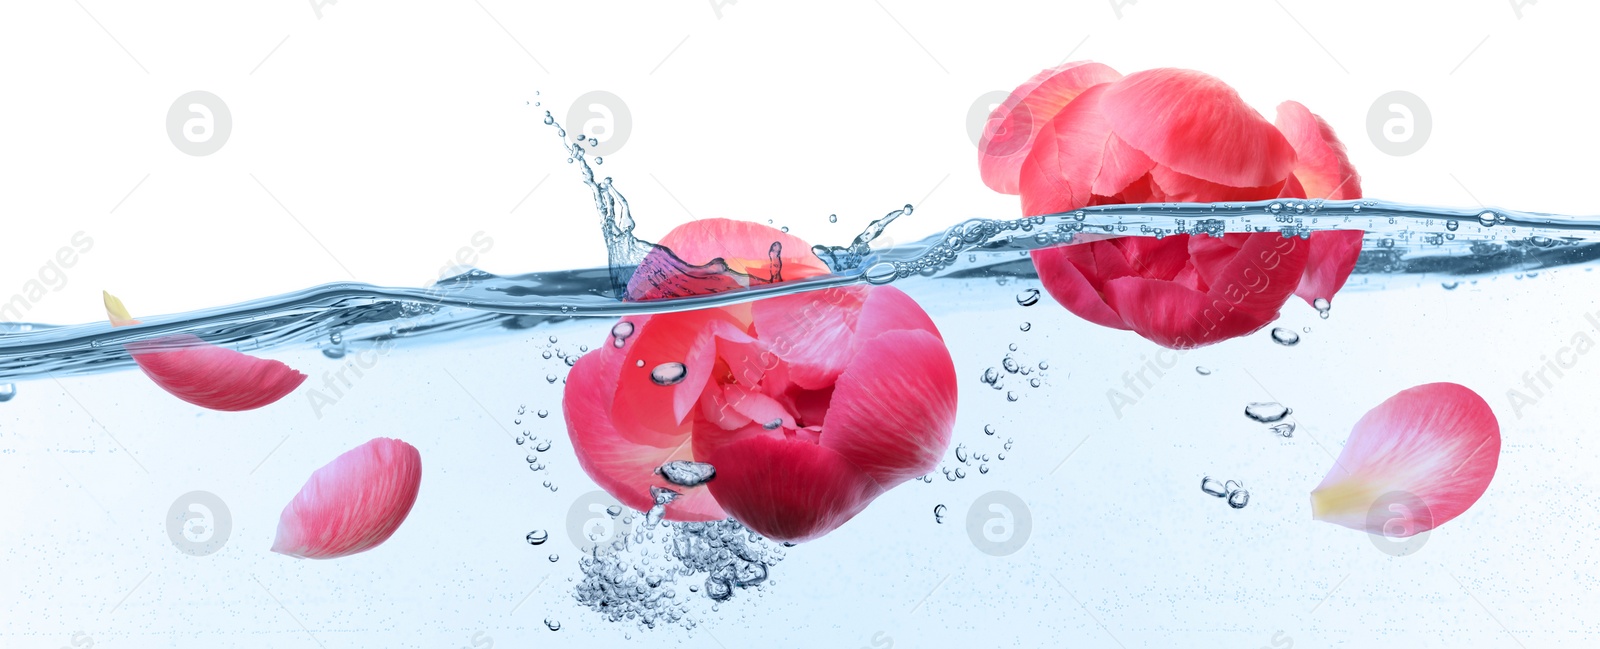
(1059, 515)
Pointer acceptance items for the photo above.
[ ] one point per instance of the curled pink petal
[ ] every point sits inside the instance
(1013, 125)
(353, 504)
(1334, 254)
(1430, 451)
(1196, 125)
(204, 374)
(894, 410)
(784, 488)
(1321, 163)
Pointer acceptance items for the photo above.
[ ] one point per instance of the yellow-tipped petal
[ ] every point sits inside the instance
(116, 311)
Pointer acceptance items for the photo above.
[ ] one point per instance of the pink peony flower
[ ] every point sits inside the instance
(1081, 134)
(809, 405)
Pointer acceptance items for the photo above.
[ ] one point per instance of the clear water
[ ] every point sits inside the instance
(1059, 517)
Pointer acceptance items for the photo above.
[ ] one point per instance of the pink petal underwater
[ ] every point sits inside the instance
(1436, 445)
(353, 504)
(624, 466)
(783, 488)
(1196, 125)
(1013, 125)
(1334, 254)
(204, 374)
(894, 409)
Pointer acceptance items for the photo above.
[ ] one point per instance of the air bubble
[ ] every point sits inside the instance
(1267, 412)
(669, 373)
(1029, 297)
(1285, 337)
(538, 537)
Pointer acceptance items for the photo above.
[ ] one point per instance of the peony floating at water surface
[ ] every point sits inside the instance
(204, 374)
(808, 405)
(1418, 460)
(353, 504)
(1081, 134)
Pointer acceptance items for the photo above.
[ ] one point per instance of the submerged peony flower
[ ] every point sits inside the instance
(204, 374)
(809, 405)
(1418, 460)
(353, 504)
(1081, 135)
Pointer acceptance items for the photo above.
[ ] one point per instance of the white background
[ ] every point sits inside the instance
(391, 133)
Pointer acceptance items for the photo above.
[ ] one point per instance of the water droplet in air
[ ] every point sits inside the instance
(686, 473)
(1267, 412)
(1029, 297)
(1285, 429)
(668, 373)
(538, 537)
(1285, 337)
(938, 514)
(1212, 486)
(1202, 371)
(1239, 499)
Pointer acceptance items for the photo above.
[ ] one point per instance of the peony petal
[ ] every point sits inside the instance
(1071, 286)
(1183, 188)
(1322, 165)
(624, 467)
(784, 489)
(1244, 296)
(653, 414)
(1014, 124)
(889, 309)
(1196, 125)
(207, 375)
(1334, 254)
(813, 332)
(1063, 169)
(1432, 448)
(353, 504)
(894, 410)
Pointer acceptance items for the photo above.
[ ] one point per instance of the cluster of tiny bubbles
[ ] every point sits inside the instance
(1285, 337)
(538, 445)
(1233, 490)
(1267, 412)
(1013, 367)
(653, 576)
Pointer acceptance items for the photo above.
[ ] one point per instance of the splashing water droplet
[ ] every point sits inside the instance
(538, 537)
(1267, 412)
(687, 473)
(1029, 297)
(668, 373)
(1285, 337)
